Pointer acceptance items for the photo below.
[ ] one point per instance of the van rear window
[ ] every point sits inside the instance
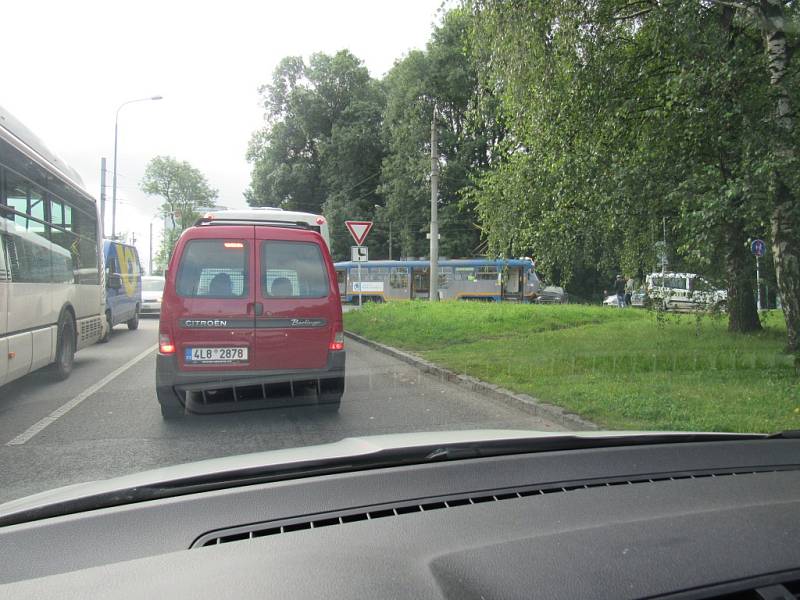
(213, 269)
(292, 270)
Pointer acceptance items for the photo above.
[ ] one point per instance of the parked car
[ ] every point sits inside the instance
(683, 292)
(250, 312)
(551, 294)
(639, 298)
(611, 301)
(123, 276)
(152, 292)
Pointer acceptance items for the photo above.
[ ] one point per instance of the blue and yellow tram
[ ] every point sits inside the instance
(501, 280)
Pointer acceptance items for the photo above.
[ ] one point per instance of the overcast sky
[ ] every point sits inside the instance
(69, 65)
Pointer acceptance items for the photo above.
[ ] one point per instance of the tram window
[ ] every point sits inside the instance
(378, 272)
(398, 277)
(465, 274)
(487, 273)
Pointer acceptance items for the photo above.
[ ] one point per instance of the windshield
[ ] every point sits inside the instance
(286, 224)
(152, 285)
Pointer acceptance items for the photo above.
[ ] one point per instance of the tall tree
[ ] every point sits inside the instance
(184, 192)
(444, 76)
(320, 150)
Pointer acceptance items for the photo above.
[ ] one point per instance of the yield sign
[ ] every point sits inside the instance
(359, 230)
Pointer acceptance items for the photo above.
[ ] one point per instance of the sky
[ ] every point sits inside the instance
(75, 62)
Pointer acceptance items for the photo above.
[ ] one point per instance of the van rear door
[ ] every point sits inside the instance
(297, 299)
(214, 318)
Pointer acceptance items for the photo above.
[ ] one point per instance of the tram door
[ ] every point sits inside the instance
(420, 282)
(513, 283)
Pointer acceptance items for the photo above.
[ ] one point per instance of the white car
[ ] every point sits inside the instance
(611, 301)
(152, 290)
(684, 292)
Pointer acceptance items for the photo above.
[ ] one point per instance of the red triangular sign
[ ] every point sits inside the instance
(359, 230)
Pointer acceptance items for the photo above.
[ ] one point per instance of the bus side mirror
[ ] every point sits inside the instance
(114, 282)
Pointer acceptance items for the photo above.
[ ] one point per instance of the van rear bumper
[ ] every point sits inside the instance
(237, 386)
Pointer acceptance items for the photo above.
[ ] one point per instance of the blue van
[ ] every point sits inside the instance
(123, 285)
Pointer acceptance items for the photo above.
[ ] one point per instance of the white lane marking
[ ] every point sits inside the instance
(64, 409)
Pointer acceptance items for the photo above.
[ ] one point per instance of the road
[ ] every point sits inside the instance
(104, 420)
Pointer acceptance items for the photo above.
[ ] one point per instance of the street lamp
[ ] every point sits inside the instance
(114, 182)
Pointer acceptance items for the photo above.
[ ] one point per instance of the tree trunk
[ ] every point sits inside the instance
(742, 309)
(784, 218)
(785, 247)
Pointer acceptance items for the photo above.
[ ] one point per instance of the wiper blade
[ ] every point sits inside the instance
(381, 458)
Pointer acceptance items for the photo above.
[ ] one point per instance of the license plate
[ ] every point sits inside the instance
(215, 355)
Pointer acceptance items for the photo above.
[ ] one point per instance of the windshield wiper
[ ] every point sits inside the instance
(382, 458)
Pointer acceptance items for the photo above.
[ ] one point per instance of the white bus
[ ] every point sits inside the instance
(51, 294)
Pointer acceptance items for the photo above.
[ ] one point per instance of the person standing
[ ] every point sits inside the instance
(619, 289)
(630, 285)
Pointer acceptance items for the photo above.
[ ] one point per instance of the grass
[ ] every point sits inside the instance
(623, 369)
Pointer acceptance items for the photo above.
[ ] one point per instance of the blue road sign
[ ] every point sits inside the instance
(758, 248)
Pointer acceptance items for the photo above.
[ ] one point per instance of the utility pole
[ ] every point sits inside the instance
(434, 285)
(103, 196)
(390, 239)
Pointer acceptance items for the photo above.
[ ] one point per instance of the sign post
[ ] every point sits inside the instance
(359, 231)
(758, 248)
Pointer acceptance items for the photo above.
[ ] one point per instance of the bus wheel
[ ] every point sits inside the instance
(133, 324)
(65, 348)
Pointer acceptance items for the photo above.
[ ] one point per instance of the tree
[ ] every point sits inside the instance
(623, 114)
(184, 192)
(443, 75)
(320, 150)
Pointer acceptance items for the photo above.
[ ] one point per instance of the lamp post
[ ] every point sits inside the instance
(114, 180)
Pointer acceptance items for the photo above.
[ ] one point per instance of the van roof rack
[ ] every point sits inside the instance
(214, 220)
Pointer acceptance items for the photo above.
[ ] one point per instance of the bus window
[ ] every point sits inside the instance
(56, 213)
(86, 251)
(341, 276)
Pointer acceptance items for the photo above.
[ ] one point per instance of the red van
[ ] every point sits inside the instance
(250, 316)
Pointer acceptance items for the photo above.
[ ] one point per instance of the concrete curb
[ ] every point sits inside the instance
(524, 402)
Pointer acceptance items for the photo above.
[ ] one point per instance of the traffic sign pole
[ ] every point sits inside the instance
(758, 285)
(359, 231)
(758, 248)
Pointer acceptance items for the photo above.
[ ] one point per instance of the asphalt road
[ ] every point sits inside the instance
(105, 421)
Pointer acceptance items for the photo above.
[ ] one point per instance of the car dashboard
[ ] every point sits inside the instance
(679, 520)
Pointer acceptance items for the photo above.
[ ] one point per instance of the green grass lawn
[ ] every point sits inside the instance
(623, 369)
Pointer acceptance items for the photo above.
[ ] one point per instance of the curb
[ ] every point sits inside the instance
(524, 402)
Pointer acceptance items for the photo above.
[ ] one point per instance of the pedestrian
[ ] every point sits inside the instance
(619, 289)
(630, 285)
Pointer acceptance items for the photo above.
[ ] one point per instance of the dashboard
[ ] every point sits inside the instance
(686, 520)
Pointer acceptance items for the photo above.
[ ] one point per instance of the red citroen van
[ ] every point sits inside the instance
(250, 316)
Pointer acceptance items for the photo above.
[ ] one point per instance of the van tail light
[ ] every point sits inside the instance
(165, 345)
(337, 343)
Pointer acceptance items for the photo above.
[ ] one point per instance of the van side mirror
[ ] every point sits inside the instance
(114, 282)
